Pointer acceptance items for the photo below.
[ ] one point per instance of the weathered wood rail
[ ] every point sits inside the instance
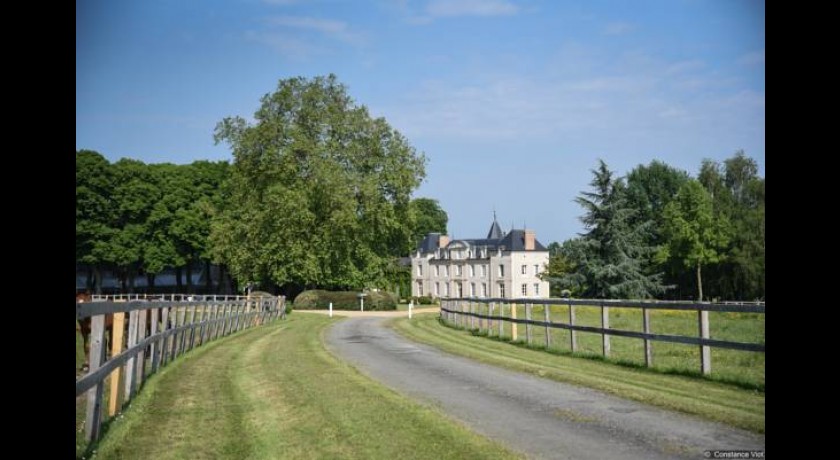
(480, 313)
(157, 333)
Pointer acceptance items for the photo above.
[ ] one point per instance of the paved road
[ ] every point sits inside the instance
(539, 417)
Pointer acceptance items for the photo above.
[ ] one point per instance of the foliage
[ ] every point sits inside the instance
(427, 217)
(423, 300)
(138, 218)
(613, 251)
(695, 236)
(345, 300)
(319, 190)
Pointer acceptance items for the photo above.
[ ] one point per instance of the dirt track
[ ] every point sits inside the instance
(539, 417)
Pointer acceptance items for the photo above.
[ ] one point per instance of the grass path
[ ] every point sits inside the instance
(712, 400)
(275, 392)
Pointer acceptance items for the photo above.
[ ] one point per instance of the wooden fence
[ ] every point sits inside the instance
(158, 332)
(481, 313)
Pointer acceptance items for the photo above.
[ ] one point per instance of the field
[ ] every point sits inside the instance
(741, 368)
(729, 397)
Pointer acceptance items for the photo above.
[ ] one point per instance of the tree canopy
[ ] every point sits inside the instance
(319, 190)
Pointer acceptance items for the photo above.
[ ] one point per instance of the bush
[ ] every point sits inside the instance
(425, 300)
(344, 300)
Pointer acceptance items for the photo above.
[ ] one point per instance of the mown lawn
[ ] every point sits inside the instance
(727, 402)
(742, 368)
(275, 392)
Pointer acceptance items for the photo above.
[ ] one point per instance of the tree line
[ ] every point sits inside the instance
(318, 196)
(660, 233)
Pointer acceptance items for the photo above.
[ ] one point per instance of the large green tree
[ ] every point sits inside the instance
(319, 190)
(695, 235)
(427, 217)
(614, 251)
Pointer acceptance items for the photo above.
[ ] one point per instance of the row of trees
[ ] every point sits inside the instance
(141, 219)
(658, 232)
(318, 196)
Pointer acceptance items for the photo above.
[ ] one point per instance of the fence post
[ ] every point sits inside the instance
(141, 357)
(528, 325)
(547, 315)
(705, 351)
(646, 325)
(330, 309)
(165, 337)
(93, 418)
(116, 348)
(192, 326)
(501, 321)
(572, 332)
(513, 325)
(605, 324)
(130, 364)
(490, 307)
(154, 349)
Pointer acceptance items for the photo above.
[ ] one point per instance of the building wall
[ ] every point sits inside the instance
(447, 278)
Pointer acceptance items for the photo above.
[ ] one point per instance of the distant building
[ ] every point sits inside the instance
(503, 265)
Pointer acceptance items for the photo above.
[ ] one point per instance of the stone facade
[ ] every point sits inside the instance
(502, 265)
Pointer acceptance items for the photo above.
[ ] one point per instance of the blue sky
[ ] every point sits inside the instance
(512, 102)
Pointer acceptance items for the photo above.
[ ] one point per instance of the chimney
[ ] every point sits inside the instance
(530, 237)
(443, 241)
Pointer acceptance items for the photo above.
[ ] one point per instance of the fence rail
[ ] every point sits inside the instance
(157, 332)
(478, 313)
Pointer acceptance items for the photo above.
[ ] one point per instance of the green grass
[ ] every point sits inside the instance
(275, 392)
(715, 400)
(742, 368)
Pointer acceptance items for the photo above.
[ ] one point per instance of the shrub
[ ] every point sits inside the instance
(425, 300)
(344, 300)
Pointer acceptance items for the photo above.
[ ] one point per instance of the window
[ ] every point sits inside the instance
(524, 269)
(445, 272)
(419, 289)
(536, 269)
(472, 270)
(446, 289)
(483, 289)
(484, 271)
(524, 289)
(437, 289)
(537, 289)
(419, 270)
(457, 270)
(502, 290)
(501, 271)
(437, 271)
(472, 289)
(460, 287)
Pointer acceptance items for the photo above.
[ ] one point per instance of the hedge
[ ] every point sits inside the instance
(344, 300)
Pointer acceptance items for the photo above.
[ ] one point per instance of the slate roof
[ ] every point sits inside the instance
(496, 238)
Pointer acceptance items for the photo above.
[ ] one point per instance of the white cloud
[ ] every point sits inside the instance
(618, 28)
(284, 44)
(446, 8)
(752, 59)
(338, 30)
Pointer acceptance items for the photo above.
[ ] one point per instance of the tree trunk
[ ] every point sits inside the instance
(699, 284)
(208, 279)
(189, 277)
(130, 276)
(97, 280)
(150, 278)
(178, 281)
(89, 280)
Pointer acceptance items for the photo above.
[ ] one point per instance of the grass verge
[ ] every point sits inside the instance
(713, 400)
(275, 392)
